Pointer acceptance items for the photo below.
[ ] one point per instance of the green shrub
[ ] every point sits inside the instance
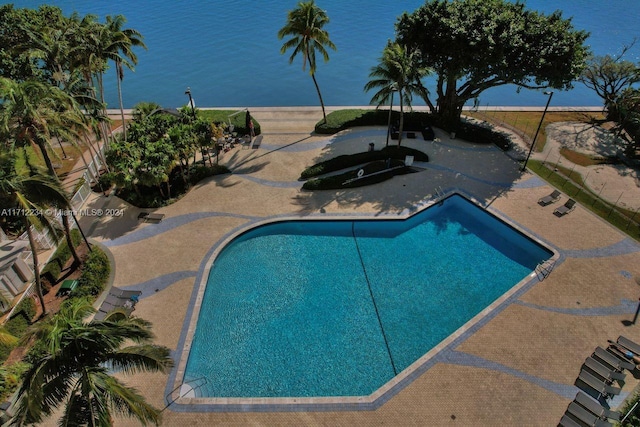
(352, 160)
(54, 267)
(10, 378)
(198, 173)
(21, 317)
(343, 119)
(94, 276)
(336, 182)
(238, 121)
(632, 420)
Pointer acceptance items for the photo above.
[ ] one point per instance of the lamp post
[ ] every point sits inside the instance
(533, 143)
(393, 90)
(193, 110)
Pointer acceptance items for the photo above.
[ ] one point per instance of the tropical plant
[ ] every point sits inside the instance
(75, 365)
(31, 113)
(15, 24)
(474, 45)
(144, 109)
(304, 25)
(399, 70)
(118, 48)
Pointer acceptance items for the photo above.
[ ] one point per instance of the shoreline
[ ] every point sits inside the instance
(115, 111)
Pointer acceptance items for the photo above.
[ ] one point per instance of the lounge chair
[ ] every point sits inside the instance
(547, 200)
(596, 384)
(594, 406)
(121, 293)
(617, 363)
(150, 217)
(629, 345)
(605, 372)
(586, 416)
(567, 421)
(565, 209)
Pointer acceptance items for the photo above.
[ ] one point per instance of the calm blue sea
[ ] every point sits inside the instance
(228, 53)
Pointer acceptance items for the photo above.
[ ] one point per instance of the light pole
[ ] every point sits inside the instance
(193, 110)
(533, 143)
(393, 90)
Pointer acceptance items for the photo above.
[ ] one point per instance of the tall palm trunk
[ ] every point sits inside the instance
(324, 114)
(401, 118)
(47, 160)
(36, 270)
(65, 219)
(67, 234)
(119, 77)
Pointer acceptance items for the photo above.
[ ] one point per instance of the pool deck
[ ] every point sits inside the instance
(516, 366)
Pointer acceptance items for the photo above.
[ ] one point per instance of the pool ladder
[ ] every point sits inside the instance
(439, 194)
(544, 269)
(194, 384)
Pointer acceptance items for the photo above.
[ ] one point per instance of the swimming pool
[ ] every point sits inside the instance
(338, 308)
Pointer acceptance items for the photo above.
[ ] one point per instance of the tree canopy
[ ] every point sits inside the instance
(397, 71)
(473, 45)
(305, 27)
(608, 77)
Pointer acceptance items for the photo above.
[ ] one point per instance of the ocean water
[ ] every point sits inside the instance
(303, 319)
(228, 53)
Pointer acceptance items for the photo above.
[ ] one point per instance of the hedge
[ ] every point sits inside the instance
(344, 119)
(352, 160)
(94, 275)
(21, 317)
(337, 182)
(238, 121)
(477, 133)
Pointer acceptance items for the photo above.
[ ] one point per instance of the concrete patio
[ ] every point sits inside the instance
(515, 367)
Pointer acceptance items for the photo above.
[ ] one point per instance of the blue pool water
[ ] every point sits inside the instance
(228, 53)
(303, 308)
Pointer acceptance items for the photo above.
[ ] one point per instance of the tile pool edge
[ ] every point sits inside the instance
(177, 396)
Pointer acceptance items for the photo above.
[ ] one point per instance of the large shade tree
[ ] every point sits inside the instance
(75, 369)
(608, 77)
(305, 27)
(474, 45)
(398, 70)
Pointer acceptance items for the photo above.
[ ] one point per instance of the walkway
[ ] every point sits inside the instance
(515, 366)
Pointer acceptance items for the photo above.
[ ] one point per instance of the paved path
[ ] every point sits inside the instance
(614, 183)
(516, 365)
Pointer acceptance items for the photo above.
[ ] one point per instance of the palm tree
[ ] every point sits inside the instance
(75, 369)
(29, 194)
(398, 71)
(31, 113)
(118, 47)
(304, 25)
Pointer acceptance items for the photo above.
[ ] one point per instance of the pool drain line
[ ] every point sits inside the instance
(373, 300)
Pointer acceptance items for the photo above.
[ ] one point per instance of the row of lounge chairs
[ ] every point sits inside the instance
(118, 299)
(599, 373)
(554, 197)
